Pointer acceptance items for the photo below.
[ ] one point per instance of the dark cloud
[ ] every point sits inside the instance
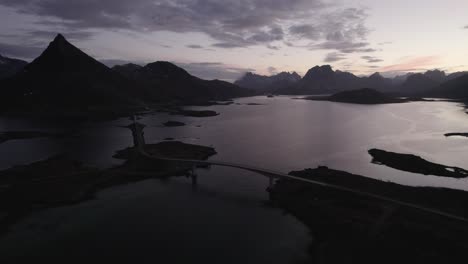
(341, 30)
(334, 56)
(214, 70)
(371, 59)
(194, 46)
(306, 31)
(231, 23)
(20, 51)
(465, 27)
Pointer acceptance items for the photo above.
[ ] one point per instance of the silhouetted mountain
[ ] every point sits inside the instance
(455, 75)
(419, 83)
(64, 77)
(436, 75)
(129, 70)
(170, 82)
(400, 79)
(425, 84)
(455, 89)
(323, 80)
(9, 66)
(377, 82)
(268, 83)
(360, 96)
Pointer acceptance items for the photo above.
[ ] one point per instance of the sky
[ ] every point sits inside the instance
(223, 39)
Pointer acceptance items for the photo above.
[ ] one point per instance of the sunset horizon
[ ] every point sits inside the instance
(361, 37)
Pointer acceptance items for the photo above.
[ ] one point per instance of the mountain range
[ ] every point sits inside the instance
(167, 81)
(324, 80)
(263, 83)
(64, 77)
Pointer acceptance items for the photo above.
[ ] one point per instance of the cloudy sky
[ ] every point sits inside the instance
(224, 38)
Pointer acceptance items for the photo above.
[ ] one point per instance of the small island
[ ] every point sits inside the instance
(171, 123)
(194, 113)
(361, 96)
(456, 135)
(415, 164)
(171, 149)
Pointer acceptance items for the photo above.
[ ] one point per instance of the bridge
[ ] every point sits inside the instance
(139, 142)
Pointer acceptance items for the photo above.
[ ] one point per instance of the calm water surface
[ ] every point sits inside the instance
(225, 216)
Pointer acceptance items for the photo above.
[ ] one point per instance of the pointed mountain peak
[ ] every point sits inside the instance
(61, 43)
(59, 38)
(324, 71)
(61, 56)
(376, 75)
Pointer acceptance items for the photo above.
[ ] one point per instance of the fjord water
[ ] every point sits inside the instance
(225, 215)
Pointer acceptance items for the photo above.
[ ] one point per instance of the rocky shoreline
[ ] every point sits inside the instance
(347, 228)
(59, 180)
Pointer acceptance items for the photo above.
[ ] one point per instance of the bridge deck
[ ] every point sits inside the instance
(279, 175)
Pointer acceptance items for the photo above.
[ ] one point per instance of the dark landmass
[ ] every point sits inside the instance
(454, 89)
(347, 228)
(174, 150)
(361, 96)
(212, 103)
(420, 99)
(65, 78)
(419, 83)
(169, 82)
(456, 134)
(173, 124)
(53, 182)
(415, 164)
(60, 180)
(10, 66)
(64, 81)
(169, 139)
(12, 135)
(194, 113)
(324, 80)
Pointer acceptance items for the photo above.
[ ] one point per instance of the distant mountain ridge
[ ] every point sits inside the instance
(10, 66)
(170, 82)
(324, 80)
(263, 83)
